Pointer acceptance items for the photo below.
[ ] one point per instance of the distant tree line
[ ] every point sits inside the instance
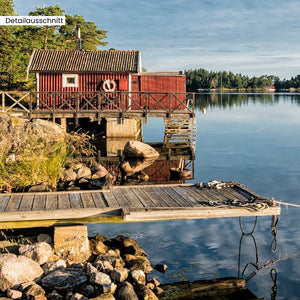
(18, 42)
(199, 79)
(284, 84)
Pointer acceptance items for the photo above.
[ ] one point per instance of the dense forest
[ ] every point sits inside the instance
(199, 79)
(18, 42)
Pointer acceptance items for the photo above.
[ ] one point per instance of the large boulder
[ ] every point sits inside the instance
(64, 280)
(139, 149)
(17, 269)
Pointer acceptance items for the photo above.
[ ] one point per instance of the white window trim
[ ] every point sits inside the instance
(66, 84)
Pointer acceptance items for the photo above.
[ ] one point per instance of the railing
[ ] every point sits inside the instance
(78, 103)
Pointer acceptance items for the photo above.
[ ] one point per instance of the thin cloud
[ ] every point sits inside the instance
(173, 34)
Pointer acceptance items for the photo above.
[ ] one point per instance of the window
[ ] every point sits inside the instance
(70, 80)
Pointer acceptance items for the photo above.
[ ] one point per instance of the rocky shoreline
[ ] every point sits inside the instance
(102, 268)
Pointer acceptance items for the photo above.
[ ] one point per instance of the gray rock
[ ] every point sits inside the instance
(126, 292)
(145, 293)
(14, 294)
(87, 290)
(162, 268)
(64, 280)
(112, 257)
(43, 237)
(34, 290)
(83, 172)
(103, 266)
(78, 296)
(69, 175)
(39, 188)
(23, 286)
(139, 149)
(17, 269)
(119, 274)
(98, 171)
(100, 278)
(138, 276)
(54, 296)
(54, 265)
(90, 269)
(97, 247)
(39, 252)
(104, 297)
(140, 263)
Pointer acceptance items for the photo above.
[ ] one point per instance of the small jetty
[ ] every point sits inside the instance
(133, 204)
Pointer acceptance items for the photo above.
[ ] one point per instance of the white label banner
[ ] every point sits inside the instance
(32, 20)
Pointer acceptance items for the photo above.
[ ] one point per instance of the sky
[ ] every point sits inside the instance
(251, 37)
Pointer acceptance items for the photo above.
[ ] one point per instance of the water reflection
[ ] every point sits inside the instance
(256, 143)
(175, 163)
(221, 100)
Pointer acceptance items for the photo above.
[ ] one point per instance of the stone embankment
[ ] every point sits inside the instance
(77, 268)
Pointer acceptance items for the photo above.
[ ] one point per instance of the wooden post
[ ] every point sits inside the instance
(30, 105)
(77, 109)
(63, 123)
(3, 101)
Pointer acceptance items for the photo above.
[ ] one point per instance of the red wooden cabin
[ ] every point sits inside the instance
(111, 71)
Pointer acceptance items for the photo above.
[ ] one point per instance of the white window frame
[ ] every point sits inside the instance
(65, 80)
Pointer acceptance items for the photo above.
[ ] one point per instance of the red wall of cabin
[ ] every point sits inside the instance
(157, 84)
(88, 82)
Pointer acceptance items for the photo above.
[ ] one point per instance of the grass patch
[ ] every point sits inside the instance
(27, 159)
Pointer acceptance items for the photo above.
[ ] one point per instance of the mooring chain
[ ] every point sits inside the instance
(273, 274)
(273, 246)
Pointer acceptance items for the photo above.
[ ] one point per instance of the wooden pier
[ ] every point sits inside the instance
(98, 105)
(131, 204)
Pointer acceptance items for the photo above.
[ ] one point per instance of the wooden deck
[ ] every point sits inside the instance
(131, 204)
(98, 105)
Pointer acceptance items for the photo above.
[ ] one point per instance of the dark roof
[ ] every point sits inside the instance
(84, 61)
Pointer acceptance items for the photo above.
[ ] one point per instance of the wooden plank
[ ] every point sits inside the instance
(183, 194)
(39, 202)
(159, 202)
(201, 201)
(26, 202)
(217, 193)
(110, 199)
(14, 203)
(178, 197)
(51, 202)
(205, 194)
(201, 198)
(132, 199)
(87, 200)
(75, 201)
(165, 197)
(122, 200)
(143, 215)
(99, 200)
(3, 202)
(147, 202)
(63, 201)
(236, 194)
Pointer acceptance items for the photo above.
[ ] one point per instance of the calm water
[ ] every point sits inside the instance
(253, 139)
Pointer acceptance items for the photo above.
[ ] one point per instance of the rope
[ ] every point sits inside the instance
(286, 203)
(237, 203)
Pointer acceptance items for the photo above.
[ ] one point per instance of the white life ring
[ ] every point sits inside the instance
(109, 85)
